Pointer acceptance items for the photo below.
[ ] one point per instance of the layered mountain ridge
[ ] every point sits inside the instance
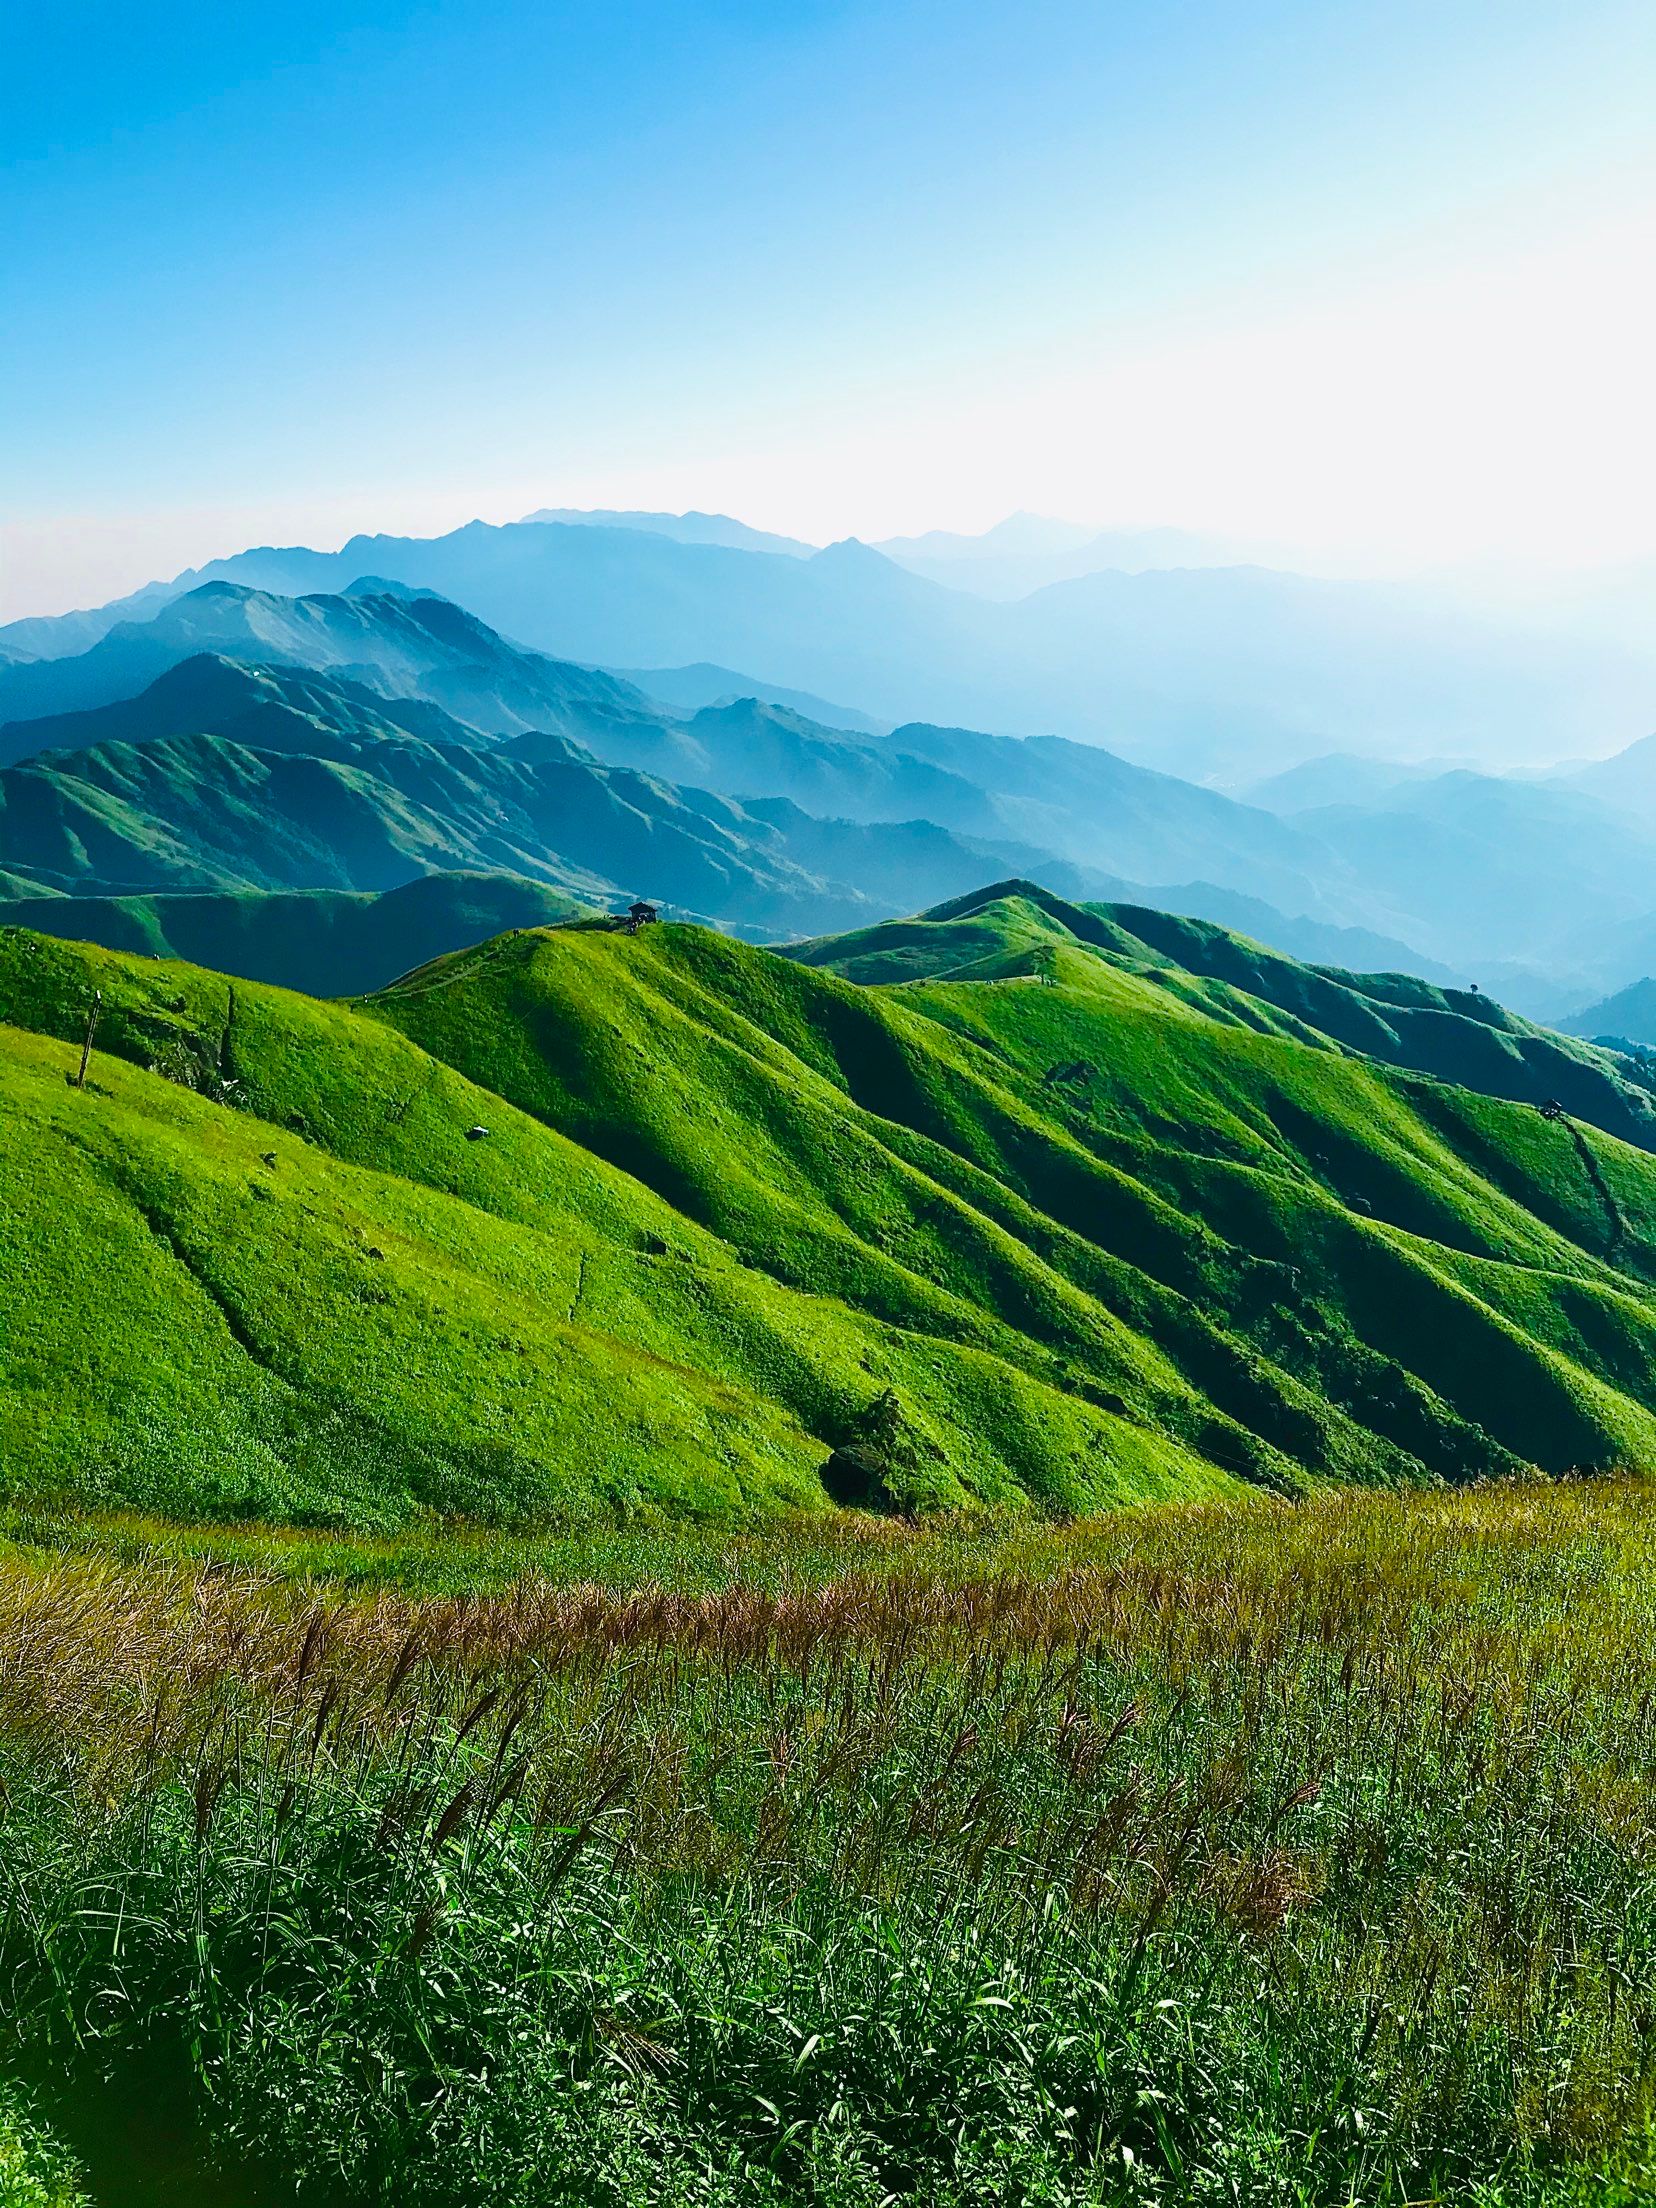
(1218, 671)
(1537, 886)
(393, 689)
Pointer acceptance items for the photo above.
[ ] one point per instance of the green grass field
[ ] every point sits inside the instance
(1223, 1853)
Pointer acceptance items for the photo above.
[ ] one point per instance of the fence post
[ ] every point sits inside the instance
(91, 1030)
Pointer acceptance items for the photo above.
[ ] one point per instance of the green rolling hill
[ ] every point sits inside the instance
(326, 942)
(1459, 1035)
(1053, 1221)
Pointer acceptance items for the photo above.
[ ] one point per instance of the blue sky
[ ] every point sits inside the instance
(1369, 281)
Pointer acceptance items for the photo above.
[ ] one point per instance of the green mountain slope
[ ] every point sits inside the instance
(1133, 1231)
(1459, 1035)
(343, 942)
(326, 942)
(260, 1268)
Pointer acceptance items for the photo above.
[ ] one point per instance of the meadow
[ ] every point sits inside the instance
(1260, 1852)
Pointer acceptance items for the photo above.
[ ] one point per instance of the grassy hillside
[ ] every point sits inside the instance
(271, 1275)
(1460, 1035)
(323, 941)
(734, 1218)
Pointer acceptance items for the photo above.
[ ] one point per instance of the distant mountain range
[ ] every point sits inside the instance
(234, 737)
(691, 528)
(1338, 778)
(1026, 552)
(1078, 802)
(1544, 882)
(844, 809)
(317, 783)
(1484, 867)
(1223, 673)
(366, 809)
(1627, 1016)
(687, 689)
(1435, 873)
(402, 645)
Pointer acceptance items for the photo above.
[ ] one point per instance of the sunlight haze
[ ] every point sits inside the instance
(1364, 293)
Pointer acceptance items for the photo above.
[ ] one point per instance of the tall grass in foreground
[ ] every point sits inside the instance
(1287, 1855)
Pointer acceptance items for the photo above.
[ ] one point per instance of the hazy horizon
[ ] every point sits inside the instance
(1368, 291)
(1491, 584)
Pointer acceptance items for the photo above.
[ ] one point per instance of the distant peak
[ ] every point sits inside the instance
(995, 893)
(745, 706)
(849, 552)
(234, 592)
(692, 527)
(203, 672)
(382, 586)
(1022, 534)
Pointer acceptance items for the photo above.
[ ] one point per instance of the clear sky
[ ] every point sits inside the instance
(1375, 279)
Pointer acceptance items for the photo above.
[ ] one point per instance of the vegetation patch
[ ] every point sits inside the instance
(1259, 1854)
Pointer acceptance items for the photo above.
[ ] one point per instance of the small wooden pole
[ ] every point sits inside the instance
(91, 1030)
